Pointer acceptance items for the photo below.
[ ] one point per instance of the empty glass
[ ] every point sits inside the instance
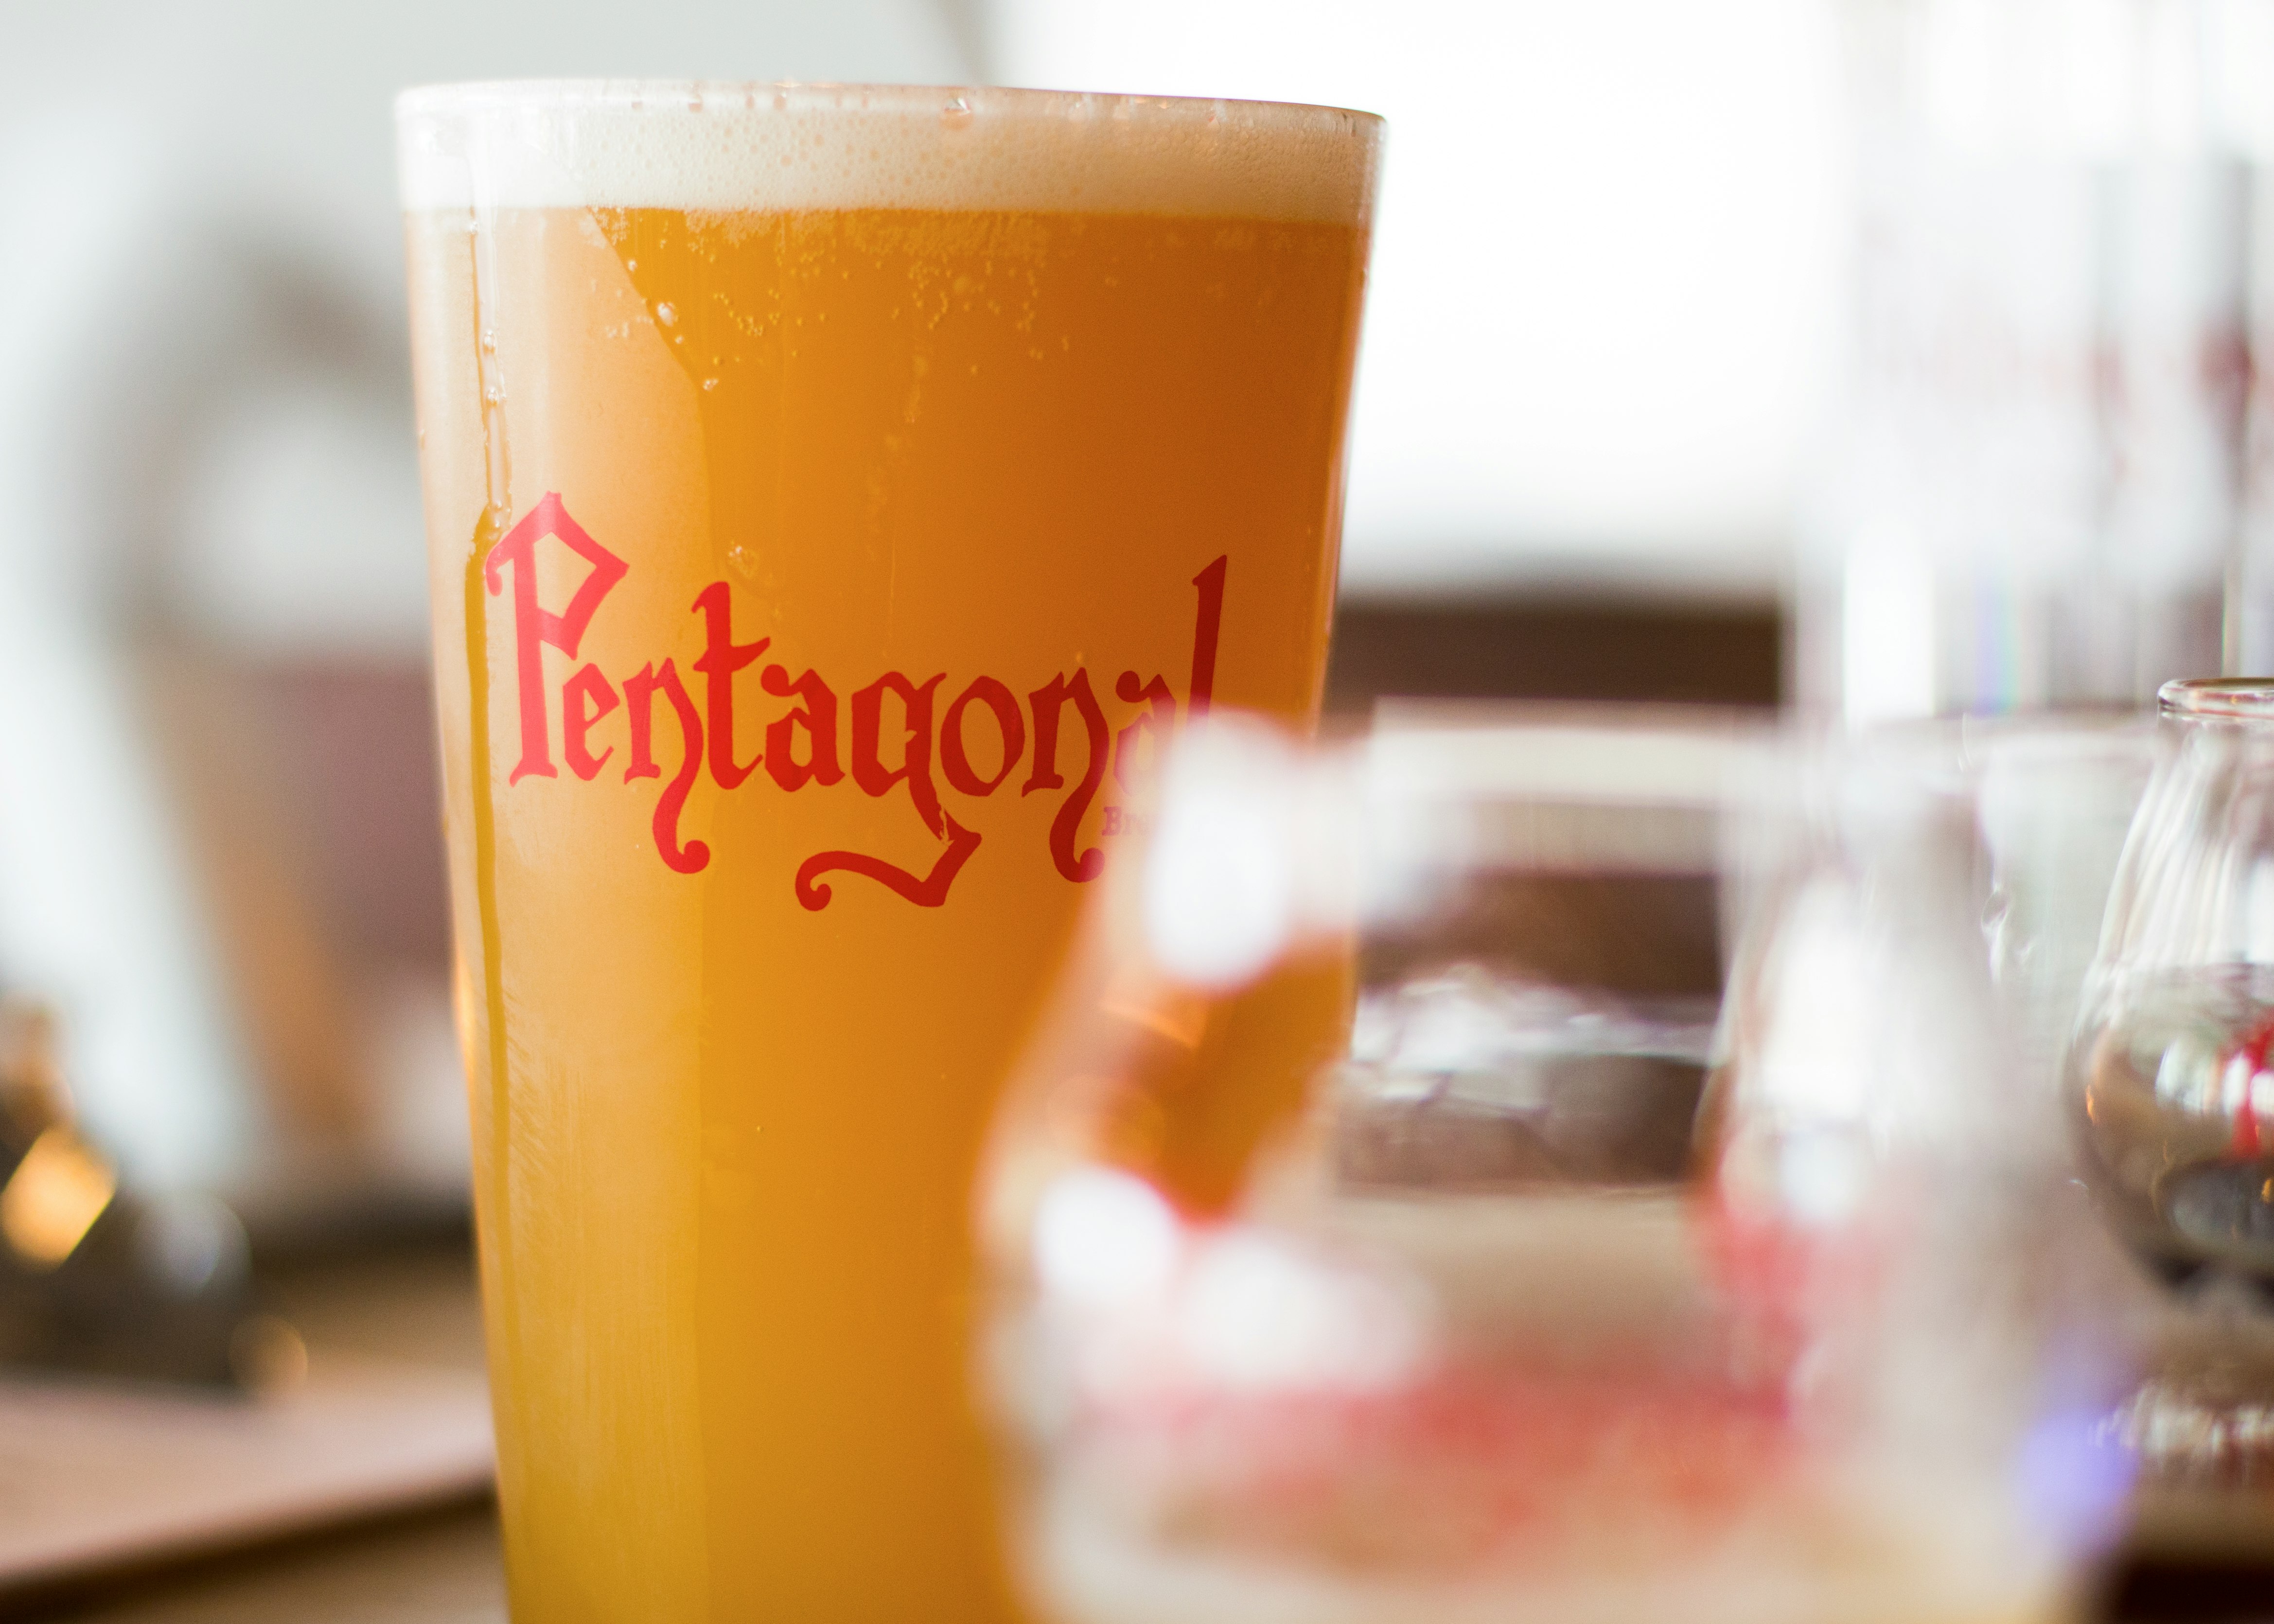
(1477, 1312)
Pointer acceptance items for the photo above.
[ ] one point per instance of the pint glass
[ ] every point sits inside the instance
(837, 497)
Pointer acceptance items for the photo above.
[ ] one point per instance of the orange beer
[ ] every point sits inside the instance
(837, 497)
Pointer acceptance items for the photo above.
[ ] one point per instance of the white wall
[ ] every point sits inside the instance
(140, 123)
(1604, 268)
(204, 401)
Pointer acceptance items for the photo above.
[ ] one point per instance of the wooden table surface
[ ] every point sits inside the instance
(441, 1566)
(438, 1566)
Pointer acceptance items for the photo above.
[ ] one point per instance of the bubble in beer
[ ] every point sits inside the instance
(956, 114)
(489, 341)
(710, 383)
(667, 313)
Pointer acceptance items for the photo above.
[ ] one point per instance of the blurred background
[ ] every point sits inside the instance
(1606, 309)
(1868, 359)
(1876, 358)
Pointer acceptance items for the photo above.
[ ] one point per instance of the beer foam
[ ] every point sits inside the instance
(593, 143)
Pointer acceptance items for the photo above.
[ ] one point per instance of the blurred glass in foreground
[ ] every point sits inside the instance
(1509, 1310)
(2051, 796)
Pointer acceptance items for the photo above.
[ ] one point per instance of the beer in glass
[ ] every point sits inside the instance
(837, 499)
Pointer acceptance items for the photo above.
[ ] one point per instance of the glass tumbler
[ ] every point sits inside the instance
(1571, 1289)
(834, 495)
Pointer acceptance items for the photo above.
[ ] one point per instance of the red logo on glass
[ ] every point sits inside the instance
(802, 745)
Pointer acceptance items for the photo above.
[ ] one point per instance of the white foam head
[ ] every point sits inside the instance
(771, 147)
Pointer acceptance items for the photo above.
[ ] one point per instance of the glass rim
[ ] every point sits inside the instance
(2226, 699)
(662, 96)
(740, 146)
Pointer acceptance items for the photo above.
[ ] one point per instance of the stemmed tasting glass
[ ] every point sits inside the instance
(1553, 1285)
(2170, 1079)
